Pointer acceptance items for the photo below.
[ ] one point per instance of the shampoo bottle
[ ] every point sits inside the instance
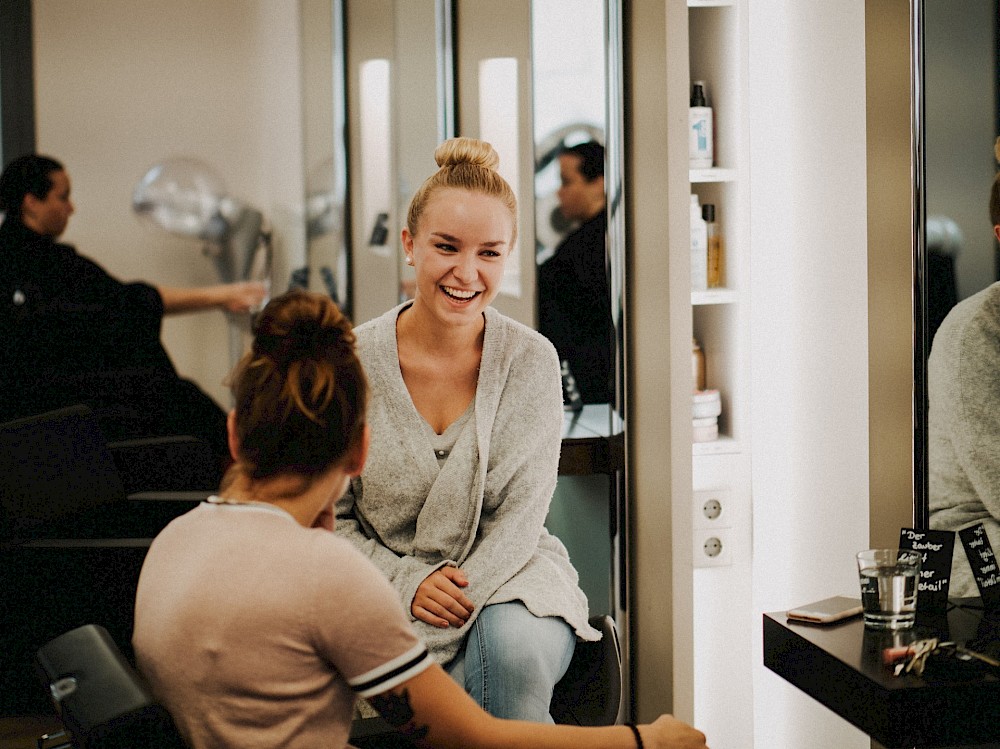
(700, 124)
(699, 247)
(715, 260)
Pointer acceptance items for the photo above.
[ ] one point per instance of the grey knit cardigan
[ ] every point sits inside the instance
(484, 510)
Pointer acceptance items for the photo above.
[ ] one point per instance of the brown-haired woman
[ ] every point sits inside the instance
(256, 626)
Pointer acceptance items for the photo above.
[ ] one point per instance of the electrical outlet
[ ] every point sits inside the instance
(712, 548)
(710, 509)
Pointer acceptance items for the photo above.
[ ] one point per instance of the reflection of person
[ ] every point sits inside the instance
(574, 297)
(256, 626)
(963, 392)
(73, 334)
(466, 419)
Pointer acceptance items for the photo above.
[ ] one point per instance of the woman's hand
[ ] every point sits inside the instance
(244, 296)
(239, 297)
(669, 733)
(439, 600)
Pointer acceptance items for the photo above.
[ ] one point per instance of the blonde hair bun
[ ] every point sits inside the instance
(466, 151)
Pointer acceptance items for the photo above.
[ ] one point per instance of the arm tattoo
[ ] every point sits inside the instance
(395, 708)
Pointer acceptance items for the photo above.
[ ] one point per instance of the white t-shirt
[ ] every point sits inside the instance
(256, 632)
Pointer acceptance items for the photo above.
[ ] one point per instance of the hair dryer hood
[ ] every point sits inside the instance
(184, 196)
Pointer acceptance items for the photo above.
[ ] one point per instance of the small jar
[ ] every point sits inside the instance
(697, 365)
(706, 404)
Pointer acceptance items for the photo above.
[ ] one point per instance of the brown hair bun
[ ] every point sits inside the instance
(301, 393)
(466, 151)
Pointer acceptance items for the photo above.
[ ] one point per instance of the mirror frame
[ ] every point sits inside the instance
(921, 344)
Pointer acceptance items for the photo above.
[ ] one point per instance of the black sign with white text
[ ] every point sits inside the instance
(984, 565)
(936, 548)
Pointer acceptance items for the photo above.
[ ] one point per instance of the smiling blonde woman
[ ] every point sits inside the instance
(466, 420)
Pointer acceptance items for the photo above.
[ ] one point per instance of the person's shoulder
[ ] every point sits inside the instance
(370, 329)
(517, 335)
(333, 551)
(971, 327)
(980, 310)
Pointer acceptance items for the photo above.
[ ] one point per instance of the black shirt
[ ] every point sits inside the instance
(74, 334)
(574, 308)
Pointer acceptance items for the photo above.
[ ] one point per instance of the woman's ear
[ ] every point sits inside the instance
(234, 441)
(356, 462)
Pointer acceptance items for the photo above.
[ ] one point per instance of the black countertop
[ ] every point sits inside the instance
(841, 666)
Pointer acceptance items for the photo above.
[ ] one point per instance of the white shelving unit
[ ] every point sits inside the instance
(722, 602)
(700, 621)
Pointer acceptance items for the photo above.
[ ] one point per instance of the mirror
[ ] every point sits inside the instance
(956, 252)
(528, 94)
(398, 85)
(420, 71)
(324, 150)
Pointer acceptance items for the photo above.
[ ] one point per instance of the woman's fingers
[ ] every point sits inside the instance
(458, 580)
(440, 602)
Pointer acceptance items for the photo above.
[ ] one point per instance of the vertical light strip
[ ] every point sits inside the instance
(499, 125)
(443, 13)
(376, 150)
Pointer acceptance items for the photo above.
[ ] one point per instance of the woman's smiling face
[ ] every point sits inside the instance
(459, 252)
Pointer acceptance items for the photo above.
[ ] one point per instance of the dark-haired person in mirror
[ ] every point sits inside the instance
(466, 420)
(963, 391)
(74, 334)
(258, 627)
(574, 296)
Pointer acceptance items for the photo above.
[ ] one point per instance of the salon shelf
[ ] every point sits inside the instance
(715, 40)
(712, 174)
(714, 296)
(724, 445)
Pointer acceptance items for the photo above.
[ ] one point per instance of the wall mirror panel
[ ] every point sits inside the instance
(419, 71)
(955, 129)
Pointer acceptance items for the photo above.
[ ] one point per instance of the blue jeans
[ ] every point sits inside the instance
(512, 659)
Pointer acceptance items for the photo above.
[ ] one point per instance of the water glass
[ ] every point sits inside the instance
(889, 587)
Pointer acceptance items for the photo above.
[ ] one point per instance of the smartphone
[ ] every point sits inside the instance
(826, 611)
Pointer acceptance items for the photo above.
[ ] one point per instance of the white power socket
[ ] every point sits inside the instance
(710, 509)
(712, 548)
(711, 542)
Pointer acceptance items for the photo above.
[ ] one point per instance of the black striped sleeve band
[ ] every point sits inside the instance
(392, 673)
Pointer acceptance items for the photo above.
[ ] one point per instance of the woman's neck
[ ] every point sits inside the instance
(421, 329)
(301, 498)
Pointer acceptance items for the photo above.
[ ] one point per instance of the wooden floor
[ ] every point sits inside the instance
(22, 732)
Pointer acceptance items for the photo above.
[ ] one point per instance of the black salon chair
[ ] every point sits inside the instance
(76, 518)
(590, 693)
(59, 478)
(101, 700)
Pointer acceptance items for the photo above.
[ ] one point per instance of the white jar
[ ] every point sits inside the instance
(705, 430)
(706, 404)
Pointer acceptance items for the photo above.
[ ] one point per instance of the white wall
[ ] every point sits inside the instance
(123, 84)
(809, 331)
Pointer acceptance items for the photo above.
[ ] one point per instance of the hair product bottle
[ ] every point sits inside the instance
(715, 258)
(700, 124)
(699, 247)
(697, 365)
